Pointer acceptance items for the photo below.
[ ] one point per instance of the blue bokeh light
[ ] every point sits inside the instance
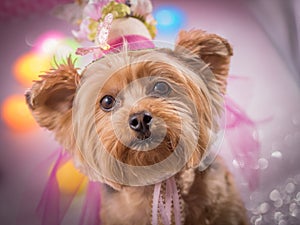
(169, 19)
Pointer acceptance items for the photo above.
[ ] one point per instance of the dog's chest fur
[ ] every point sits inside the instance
(209, 198)
(128, 206)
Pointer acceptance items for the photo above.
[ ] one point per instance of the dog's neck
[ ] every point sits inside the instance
(162, 210)
(184, 179)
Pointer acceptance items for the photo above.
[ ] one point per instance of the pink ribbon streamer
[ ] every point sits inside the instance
(164, 210)
(155, 202)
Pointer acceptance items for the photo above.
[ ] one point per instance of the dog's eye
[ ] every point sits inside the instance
(161, 88)
(107, 102)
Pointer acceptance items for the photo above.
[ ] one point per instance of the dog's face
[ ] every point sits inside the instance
(139, 112)
(139, 117)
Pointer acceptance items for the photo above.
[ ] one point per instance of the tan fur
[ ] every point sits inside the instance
(212, 49)
(212, 200)
(105, 147)
(50, 101)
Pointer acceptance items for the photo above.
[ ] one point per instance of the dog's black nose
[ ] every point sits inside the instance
(140, 122)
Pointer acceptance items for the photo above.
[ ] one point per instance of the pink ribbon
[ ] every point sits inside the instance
(135, 42)
(164, 210)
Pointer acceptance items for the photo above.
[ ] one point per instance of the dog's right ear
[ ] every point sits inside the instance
(51, 98)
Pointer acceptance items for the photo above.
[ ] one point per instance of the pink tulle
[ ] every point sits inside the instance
(91, 208)
(49, 209)
(53, 205)
(241, 134)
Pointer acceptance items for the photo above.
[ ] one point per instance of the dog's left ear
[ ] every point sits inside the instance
(211, 48)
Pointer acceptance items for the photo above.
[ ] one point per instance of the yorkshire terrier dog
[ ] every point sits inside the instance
(135, 118)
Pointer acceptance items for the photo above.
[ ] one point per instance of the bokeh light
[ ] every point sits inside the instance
(169, 19)
(64, 48)
(29, 66)
(16, 115)
(50, 48)
(56, 45)
(70, 180)
(47, 42)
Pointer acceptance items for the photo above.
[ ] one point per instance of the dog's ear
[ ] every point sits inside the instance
(211, 48)
(51, 98)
